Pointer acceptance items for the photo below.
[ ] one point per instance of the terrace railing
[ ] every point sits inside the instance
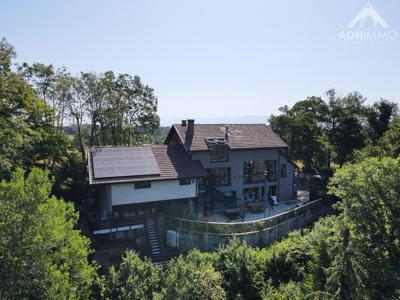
(116, 222)
(242, 227)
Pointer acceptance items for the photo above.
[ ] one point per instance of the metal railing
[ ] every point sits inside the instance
(242, 227)
(116, 222)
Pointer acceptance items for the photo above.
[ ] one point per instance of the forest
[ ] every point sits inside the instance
(49, 118)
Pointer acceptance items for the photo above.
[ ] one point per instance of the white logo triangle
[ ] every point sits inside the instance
(368, 11)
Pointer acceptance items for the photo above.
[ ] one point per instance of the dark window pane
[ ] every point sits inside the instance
(253, 171)
(220, 176)
(184, 181)
(142, 185)
(218, 151)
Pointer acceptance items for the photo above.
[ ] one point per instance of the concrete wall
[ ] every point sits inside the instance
(236, 159)
(160, 190)
(208, 241)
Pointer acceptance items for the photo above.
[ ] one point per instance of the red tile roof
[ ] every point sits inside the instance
(173, 161)
(241, 136)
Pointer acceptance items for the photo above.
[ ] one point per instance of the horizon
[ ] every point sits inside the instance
(213, 61)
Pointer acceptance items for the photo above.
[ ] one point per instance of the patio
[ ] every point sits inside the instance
(221, 216)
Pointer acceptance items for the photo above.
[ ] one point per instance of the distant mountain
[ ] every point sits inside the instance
(224, 120)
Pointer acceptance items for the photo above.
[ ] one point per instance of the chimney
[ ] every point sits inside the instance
(190, 127)
(183, 123)
(226, 133)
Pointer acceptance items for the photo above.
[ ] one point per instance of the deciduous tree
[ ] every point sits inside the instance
(42, 255)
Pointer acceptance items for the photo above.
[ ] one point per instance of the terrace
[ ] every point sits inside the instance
(219, 223)
(251, 215)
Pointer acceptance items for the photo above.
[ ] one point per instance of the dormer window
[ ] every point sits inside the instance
(218, 149)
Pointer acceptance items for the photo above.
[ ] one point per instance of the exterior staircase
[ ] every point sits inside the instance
(153, 238)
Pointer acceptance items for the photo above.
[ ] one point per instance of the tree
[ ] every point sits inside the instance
(62, 94)
(368, 239)
(7, 54)
(42, 255)
(390, 142)
(379, 117)
(319, 133)
(347, 272)
(343, 126)
(320, 240)
(290, 290)
(300, 128)
(41, 76)
(92, 92)
(77, 111)
(331, 124)
(133, 279)
(286, 261)
(192, 279)
(28, 137)
(130, 111)
(387, 146)
(240, 269)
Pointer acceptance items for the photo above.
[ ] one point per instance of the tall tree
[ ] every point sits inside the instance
(349, 132)
(77, 110)
(379, 117)
(331, 124)
(92, 92)
(41, 76)
(130, 111)
(300, 128)
(62, 93)
(26, 122)
(369, 193)
(42, 255)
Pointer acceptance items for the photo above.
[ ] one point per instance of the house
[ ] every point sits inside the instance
(245, 161)
(200, 168)
(134, 181)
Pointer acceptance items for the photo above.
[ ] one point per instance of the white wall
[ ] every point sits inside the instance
(160, 190)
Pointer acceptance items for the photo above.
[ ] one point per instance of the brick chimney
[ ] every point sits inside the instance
(190, 127)
(183, 124)
(226, 133)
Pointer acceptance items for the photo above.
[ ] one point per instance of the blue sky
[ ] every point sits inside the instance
(212, 59)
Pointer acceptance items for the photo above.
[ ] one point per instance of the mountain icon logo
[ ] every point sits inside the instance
(368, 12)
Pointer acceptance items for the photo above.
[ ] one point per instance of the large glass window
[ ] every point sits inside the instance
(271, 170)
(218, 149)
(253, 171)
(220, 176)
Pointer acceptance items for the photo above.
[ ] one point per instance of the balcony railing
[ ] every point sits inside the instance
(242, 227)
(114, 222)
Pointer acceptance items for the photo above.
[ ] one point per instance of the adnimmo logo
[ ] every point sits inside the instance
(368, 26)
